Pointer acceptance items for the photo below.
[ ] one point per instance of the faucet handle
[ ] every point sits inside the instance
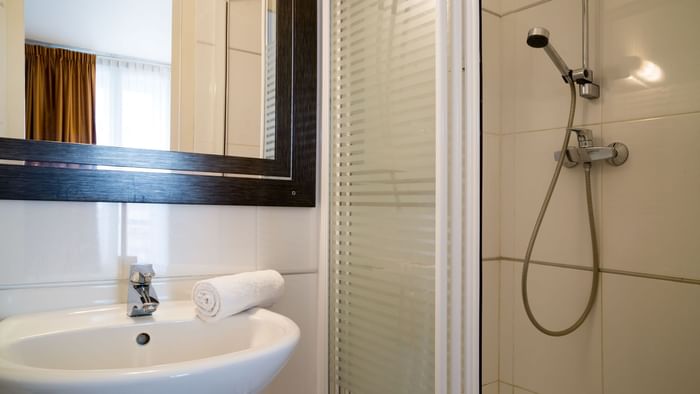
(584, 137)
(141, 274)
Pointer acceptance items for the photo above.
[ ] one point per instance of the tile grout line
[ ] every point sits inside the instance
(494, 13)
(512, 322)
(611, 271)
(525, 7)
(498, 321)
(516, 10)
(109, 282)
(603, 124)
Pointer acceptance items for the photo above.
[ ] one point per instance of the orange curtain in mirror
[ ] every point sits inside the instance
(60, 95)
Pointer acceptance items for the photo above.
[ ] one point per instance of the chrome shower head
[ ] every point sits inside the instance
(538, 37)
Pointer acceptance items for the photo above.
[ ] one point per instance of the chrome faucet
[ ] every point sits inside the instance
(142, 299)
(615, 154)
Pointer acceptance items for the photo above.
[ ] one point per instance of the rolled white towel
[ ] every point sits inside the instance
(220, 297)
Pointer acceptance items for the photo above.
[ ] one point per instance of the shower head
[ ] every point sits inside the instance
(538, 37)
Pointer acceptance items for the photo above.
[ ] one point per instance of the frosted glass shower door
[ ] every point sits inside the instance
(382, 219)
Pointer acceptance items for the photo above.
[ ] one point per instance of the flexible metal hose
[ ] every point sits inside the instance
(538, 223)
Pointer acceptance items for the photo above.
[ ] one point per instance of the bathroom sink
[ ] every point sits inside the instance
(101, 350)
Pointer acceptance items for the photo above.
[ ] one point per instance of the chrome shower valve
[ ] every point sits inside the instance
(615, 154)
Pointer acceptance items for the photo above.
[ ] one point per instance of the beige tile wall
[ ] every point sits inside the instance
(641, 336)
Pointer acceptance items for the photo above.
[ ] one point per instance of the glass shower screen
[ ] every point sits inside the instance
(382, 276)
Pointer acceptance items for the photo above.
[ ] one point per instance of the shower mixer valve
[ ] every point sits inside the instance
(615, 154)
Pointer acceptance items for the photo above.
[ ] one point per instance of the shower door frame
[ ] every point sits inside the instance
(458, 47)
(458, 196)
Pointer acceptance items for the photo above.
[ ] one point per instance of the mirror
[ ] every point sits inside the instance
(212, 103)
(195, 76)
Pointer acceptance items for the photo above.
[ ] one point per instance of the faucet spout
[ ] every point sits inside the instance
(142, 298)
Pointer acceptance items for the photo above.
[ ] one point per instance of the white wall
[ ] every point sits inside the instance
(641, 336)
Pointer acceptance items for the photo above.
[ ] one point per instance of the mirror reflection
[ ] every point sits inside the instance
(183, 75)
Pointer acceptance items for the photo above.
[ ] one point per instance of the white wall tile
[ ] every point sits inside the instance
(507, 300)
(564, 236)
(651, 336)
(287, 239)
(650, 210)
(513, 5)
(490, 282)
(491, 388)
(552, 365)
(20, 300)
(299, 304)
(520, 390)
(508, 69)
(58, 241)
(540, 97)
(491, 202)
(505, 388)
(192, 239)
(651, 58)
(491, 69)
(508, 196)
(245, 28)
(491, 5)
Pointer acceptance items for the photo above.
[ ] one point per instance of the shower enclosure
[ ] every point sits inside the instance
(403, 305)
(638, 333)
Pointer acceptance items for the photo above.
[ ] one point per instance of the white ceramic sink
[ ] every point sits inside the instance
(95, 350)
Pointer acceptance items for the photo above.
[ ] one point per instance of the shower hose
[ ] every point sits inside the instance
(538, 223)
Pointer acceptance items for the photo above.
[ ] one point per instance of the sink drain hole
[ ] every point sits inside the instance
(143, 338)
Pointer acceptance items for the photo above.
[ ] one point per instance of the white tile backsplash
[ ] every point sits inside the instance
(192, 240)
(66, 246)
(287, 239)
(299, 304)
(46, 242)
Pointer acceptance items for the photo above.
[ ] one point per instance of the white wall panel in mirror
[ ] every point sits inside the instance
(181, 75)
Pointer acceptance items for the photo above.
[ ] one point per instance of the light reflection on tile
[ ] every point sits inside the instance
(58, 241)
(192, 240)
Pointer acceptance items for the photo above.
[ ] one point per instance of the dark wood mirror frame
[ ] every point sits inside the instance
(66, 175)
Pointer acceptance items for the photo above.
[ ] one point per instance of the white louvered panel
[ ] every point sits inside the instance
(382, 196)
(270, 88)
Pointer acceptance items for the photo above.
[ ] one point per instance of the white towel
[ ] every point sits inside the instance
(224, 296)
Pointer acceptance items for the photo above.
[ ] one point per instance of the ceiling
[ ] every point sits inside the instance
(131, 28)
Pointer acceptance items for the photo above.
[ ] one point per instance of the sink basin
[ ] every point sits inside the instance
(101, 350)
